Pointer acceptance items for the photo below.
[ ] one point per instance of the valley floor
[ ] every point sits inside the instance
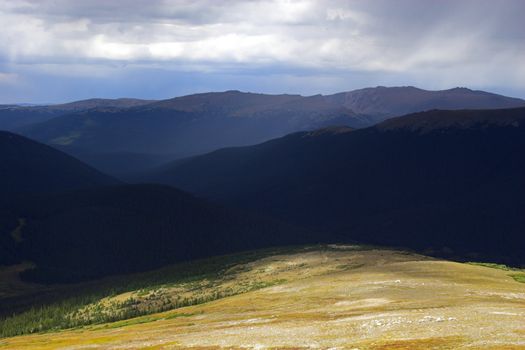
(330, 297)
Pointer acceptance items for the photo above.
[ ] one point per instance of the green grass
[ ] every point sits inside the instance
(172, 316)
(518, 277)
(133, 321)
(491, 265)
(265, 284)
(146, 319)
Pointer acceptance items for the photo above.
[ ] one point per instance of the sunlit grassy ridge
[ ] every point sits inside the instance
(125, 297)
(518, 277)
(341, 297)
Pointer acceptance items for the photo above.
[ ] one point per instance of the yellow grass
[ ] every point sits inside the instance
(332, 299)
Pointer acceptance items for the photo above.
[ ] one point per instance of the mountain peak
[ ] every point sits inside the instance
(387, 102)
(460, 89)
(235, 92)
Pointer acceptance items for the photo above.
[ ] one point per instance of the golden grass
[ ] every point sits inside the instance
(445, 343)
(332, 298)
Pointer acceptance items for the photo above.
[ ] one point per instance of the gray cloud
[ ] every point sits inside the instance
(434, 44)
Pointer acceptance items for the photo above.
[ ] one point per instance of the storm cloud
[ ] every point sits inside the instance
(52, 51)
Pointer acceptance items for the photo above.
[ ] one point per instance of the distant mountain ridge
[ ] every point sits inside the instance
(13, 116)
(386, 102)
(91, 103)
(196, 124)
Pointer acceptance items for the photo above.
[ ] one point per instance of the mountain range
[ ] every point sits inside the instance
(444, 181)
(439, 180)
(127, 136)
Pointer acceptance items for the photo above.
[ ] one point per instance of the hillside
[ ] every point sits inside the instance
(323, 297)
(85, 234)
(449, 182)
(113, 139)
(29, 166)
(75, 223)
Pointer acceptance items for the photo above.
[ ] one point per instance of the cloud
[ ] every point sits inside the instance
(479, 41)
(8, 78)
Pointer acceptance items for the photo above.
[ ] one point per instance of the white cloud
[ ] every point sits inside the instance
(478, 40)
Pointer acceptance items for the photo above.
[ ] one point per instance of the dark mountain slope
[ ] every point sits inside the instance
(29, 166)
(200, 123)
(463, 119)
(92, 233)
(429, 180)
(123, 165)
(66, 218)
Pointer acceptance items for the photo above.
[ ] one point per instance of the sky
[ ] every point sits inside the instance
(55, 51)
